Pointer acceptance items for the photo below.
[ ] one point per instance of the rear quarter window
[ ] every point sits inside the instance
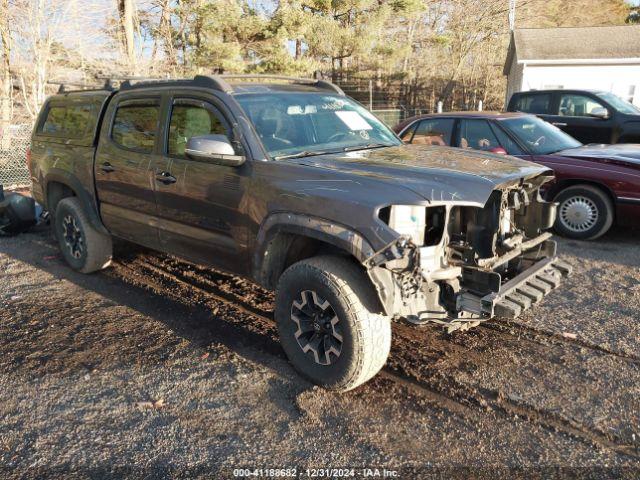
(70, 121)
(536, 103)
(78, 119)
(54, 121)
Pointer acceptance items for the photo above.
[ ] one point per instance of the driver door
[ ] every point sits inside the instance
(199, 201)
(574, 116)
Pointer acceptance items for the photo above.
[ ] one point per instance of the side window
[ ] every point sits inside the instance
(135, 126)
(78, 118)
(54, 122)
(436, 131)
(408, 133)
(509, 145)
(579, 106)
(69, 121)
(477, 134)
(537, 103)
(191, 121)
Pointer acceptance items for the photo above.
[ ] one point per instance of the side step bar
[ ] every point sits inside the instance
(526, 289)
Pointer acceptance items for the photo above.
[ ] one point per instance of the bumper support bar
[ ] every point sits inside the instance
(525, 289)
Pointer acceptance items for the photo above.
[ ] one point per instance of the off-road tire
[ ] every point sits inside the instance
(365, 330)
(96, 246)
(595, 197)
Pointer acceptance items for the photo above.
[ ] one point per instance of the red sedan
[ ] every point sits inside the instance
(595, 185)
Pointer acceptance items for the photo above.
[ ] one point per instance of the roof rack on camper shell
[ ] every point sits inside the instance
(224, 82)
(82, 87)
(221, 83)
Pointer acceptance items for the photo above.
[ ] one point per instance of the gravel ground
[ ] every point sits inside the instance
(157, 368)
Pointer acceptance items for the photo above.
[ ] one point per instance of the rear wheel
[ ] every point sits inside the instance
(584, 212)
(84, 247)
(329, 322)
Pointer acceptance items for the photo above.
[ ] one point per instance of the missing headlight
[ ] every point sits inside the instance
(424, 225)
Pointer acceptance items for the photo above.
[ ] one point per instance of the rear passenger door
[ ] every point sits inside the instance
(125, 159)
(536, 103)
(199, 208)
(476, 134)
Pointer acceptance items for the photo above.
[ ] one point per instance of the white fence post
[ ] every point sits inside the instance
(440, 107)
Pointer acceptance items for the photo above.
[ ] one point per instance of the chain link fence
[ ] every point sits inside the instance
(14, 141)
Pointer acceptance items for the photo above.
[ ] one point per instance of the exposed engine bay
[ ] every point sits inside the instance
(463, 264)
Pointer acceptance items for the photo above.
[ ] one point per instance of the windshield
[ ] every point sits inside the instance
(619, 104)
(303, 124)
(540, 137)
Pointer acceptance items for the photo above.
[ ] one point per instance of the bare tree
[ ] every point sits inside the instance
(6, 84)
(39, 25)
(126, 10)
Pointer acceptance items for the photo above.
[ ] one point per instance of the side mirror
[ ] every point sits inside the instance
(498, 151)
(600, 112)
(213, 148)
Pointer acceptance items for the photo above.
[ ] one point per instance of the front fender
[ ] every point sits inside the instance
(317, 228)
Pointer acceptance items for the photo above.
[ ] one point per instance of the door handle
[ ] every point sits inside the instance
(166, 178)
(559, 124)
(106, 167)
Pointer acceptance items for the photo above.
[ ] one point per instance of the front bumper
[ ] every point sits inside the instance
(510, 298)
(526, 289)
(478, 292)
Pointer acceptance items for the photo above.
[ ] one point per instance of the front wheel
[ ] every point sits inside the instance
(584, 212)
(330, 323)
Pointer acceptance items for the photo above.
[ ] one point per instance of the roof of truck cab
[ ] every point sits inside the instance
(562, 90)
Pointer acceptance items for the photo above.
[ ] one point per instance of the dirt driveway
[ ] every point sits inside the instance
(158, 368)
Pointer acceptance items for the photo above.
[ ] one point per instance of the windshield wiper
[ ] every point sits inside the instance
(309, 153)
(366, 147)
(304, 153)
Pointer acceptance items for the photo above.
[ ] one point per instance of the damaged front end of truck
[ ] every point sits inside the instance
(471, 263)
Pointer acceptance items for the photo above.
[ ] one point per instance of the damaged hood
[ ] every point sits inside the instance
(437, 174)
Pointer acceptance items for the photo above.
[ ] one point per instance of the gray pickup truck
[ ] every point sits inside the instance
(292, 184)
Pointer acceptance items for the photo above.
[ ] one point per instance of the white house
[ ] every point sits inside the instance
(589, 58)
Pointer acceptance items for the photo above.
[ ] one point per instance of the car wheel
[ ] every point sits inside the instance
(84, 248)
(584, 212)
(330, 323)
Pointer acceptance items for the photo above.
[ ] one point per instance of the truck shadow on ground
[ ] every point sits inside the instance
(189, 320)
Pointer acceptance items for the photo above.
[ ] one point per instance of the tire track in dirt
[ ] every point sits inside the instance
(422, 359)
(532, 333)
(407, 366)
(224, 283)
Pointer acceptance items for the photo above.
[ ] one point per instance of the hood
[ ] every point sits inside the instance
(435, 173)
(621, 153)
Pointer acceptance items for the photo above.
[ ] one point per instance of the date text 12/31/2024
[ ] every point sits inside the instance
(315, 473)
